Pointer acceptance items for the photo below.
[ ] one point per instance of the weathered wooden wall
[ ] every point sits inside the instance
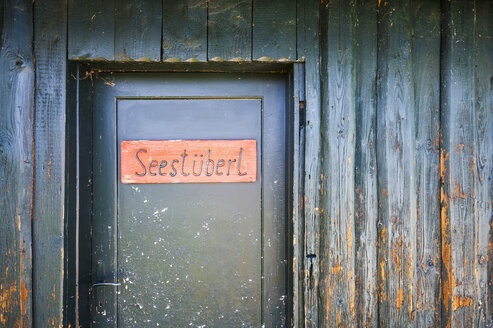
(407, 139)
(16, 168)
(398, 104)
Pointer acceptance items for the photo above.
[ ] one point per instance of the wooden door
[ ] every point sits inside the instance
(189, 254)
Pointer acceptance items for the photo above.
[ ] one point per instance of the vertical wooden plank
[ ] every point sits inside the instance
(396, 166)
(185, 30)
(458, 221)
(91, 29)
(274, 30)
(50, 34)
(298, 128)
(425, 57)
(138, 26)
(309, 39)
(229, 30)
(337, 251)
(483, 157)
(365, 175)
(16, 119)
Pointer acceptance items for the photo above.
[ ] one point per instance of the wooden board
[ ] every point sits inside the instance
(184, 30)
(464, 170)
(425, 70)
(396, 167)
(48, 222)
(91, 29)
(138, 30)
(337, 247)
(16, 128)
(274, 30)
(188, 161)
(310, 120)
(229, 30)
(483, 155)
(365, 175)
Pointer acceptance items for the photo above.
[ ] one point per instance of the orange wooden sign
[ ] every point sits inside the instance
(188, 161)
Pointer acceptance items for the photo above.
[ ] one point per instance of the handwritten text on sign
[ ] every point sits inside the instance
(188, 161)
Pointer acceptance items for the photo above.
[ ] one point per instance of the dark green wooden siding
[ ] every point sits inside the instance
(397, 218)
(16, 160)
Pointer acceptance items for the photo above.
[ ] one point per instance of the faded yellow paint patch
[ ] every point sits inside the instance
(410, 268)
(353, 290)
(53, 294)
(461, 301)
(382, 269)
(443, 160)
(23, 293)
(349, 237)
(7, 295)
(399, 299)
(448, 283)
(383, 235)
(18, 220)
(395, 255)
(459, 148)
(337, 269)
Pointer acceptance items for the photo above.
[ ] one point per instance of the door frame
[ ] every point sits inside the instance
(77, 278)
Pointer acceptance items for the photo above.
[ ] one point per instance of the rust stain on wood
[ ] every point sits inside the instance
(188, 161)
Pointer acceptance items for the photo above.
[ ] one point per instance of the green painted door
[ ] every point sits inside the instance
(190, 254)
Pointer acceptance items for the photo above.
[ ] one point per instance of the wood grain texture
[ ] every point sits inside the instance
(337, 247)
(184, 30)
(425, 58)
(50, 34)
(274, 30)
(16, 118)
(91, 30)
(310, 50)
(465, 218)
(365, 175)
(229, 30)
(138, 30)
(483, 158)
(396, 167)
